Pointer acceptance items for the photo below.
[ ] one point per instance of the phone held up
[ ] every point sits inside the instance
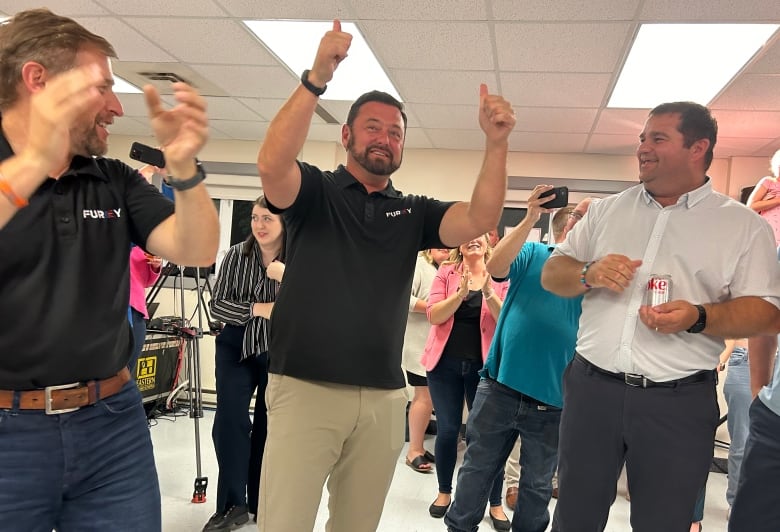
(147, 154)
(561, 198)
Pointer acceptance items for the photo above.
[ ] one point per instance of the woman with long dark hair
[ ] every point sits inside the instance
(244, 295)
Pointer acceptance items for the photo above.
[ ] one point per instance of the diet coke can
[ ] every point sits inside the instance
(659, 289)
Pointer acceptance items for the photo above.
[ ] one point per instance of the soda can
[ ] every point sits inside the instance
(659, 289)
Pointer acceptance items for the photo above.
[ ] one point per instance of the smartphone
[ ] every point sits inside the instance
(561, 197)
(147, 154)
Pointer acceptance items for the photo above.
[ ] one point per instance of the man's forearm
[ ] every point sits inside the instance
(742, 317)
(286, 134)
(561, 276)
(487, 198)
(508, 247)
(761, 352)
(196, 228)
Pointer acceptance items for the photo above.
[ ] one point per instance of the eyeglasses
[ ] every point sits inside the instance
(575, 214)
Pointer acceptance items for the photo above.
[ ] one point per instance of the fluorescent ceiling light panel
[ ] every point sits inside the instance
(685, 62)
(122, 86)
(295, 43)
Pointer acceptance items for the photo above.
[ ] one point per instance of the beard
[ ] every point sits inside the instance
(84, 140)
(380, 167)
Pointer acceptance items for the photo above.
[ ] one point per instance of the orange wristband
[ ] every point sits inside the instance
(8, 192)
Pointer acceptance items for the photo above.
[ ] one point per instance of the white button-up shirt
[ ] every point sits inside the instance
(714, 248)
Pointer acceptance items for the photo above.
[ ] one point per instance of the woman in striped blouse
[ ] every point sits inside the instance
(244, 295)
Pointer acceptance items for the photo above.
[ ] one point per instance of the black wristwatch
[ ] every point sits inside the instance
(317, 91)
(186, 184)
(701, 323)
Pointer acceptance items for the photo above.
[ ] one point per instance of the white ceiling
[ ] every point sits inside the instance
(555, 60)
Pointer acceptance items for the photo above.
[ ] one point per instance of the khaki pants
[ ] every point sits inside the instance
(350, 435)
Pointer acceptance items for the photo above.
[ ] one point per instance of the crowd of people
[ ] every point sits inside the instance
(552, 343)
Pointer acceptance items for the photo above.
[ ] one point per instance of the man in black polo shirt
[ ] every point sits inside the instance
(336, 393)
(76, 452)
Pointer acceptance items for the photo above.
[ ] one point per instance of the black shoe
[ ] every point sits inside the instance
(438, 511)
(501, 525)
(230, 519)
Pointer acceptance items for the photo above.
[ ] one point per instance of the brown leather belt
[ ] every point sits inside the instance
(65, 397)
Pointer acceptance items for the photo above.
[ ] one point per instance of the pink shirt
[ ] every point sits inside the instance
(142, 276)
(444, 285)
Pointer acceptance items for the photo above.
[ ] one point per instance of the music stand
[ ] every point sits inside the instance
(193, 384)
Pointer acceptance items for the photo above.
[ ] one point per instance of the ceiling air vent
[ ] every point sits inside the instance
(164, 76)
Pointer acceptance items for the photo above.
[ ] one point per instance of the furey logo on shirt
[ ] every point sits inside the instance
(393, 214)
(97, 214)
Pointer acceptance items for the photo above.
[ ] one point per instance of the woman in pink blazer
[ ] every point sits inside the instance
(463, 305)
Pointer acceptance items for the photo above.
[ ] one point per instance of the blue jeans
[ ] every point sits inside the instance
(139, 337)
(757, 503)
(500, 415)
(449, 382)
(736, 389)
(238, 441)
(88, 470)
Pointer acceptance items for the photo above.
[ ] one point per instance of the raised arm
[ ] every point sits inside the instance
(508, 247)
(276, 160)
(191, 235)
(466, 220)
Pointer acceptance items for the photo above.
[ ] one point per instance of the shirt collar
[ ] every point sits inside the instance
(344, 179)
(689, 199)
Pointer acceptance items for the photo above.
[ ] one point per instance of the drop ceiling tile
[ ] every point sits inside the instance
(434, 116)
(128, 43)
(707, 10)
(442, 86)
(400, 45)
(265, 107)
(202, 40)
(229, 109)
(325, 133)
(612, 144)
(549, 89)
(67, 8)
(456, 139)
(552, 120)
(768, 62)
(416, 10)
(131, 127)
(747, 123)
(538, 10)
(241, 129)
(621, 122)
(169, 8)
(751, 92)
(526, 47)
(547, 142)
(416, 138)
(736, 147)
(288, 9)
(133, 105)
(250, 81)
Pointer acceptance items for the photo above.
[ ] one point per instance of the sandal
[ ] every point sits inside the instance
(429, 457)
(419, 464)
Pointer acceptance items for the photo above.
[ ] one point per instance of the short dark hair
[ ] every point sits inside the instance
(374, 96)
(41, 36)
(696, 122)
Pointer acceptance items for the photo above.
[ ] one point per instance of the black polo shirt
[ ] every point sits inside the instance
(64, 273)
(341, 311)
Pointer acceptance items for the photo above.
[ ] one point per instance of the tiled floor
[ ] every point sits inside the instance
(406, 509)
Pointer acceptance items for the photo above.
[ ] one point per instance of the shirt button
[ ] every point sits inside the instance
(65, 219)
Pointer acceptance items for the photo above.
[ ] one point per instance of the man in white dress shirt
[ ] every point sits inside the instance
(641, 388)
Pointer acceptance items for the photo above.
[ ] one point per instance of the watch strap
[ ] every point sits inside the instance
(317, 91)
(701, 323)
(186, 184)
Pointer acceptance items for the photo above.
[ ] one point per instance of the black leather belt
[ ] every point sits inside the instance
(640, 381)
